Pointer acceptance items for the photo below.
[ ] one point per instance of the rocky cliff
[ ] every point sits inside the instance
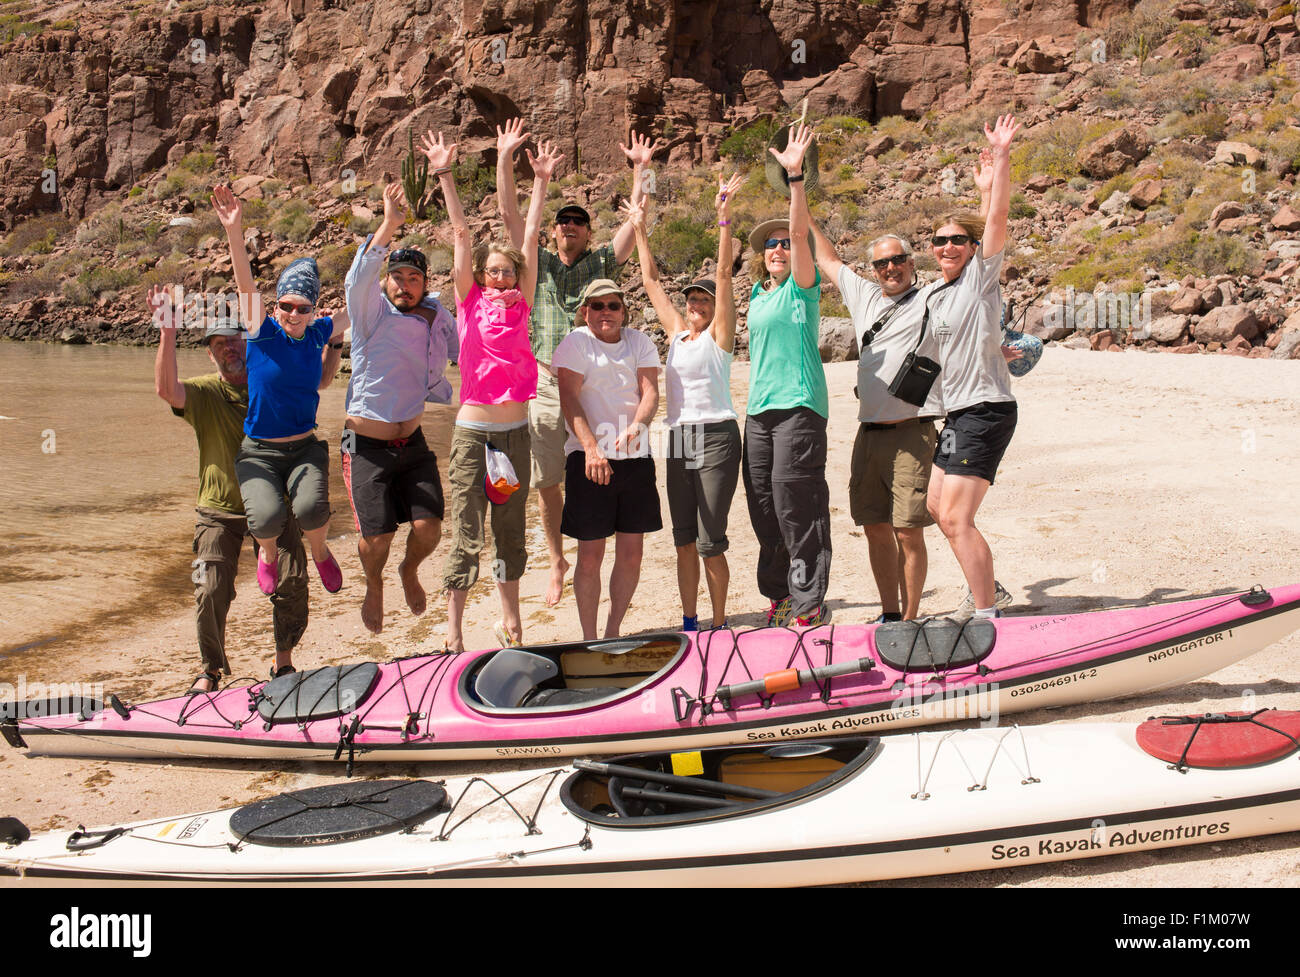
(107, 92)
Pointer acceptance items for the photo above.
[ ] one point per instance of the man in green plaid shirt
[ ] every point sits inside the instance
(562, 275)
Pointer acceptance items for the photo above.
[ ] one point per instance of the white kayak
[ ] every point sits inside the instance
(811, 812)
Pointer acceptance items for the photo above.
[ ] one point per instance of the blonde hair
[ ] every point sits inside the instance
(485, 251)
(972, 224)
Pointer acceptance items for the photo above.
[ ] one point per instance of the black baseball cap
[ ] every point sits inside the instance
(575, 210)
(409, 258)
(703, 285)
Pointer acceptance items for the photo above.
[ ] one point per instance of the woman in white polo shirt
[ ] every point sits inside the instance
(609, 391)
(965, 312)
(704, 436)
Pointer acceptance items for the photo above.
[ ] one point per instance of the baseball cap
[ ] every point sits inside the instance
(409, 258)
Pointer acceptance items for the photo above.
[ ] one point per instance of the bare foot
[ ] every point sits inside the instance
(372, 608)
(555, 587)
(416, 599)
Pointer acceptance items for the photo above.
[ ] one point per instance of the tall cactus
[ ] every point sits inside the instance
(415, 179)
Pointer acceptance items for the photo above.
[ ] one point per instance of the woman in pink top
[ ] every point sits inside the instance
(498, 378)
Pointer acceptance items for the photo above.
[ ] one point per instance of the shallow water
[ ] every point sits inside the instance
(98, 487)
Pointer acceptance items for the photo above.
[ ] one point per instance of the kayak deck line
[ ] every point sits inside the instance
(981, 783)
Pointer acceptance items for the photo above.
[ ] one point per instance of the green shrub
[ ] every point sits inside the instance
(294, 221)
(749, 144)
(1051, 149)
(681, 244)
(36, 235)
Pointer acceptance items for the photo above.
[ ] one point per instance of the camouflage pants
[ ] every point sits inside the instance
(218, 538)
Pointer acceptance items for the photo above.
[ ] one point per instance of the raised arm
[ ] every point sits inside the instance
(462, 267)
(544, 165)
(394, 216)
(166, 383)
(801, 259)
(983, 175)
(663, 306)
(724, 314)
(231, 214)
(995, 227)
(509, 139)
(640, 152)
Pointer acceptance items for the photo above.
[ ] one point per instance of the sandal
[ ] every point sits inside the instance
(213, 677)
(283, 670)
(503, 636)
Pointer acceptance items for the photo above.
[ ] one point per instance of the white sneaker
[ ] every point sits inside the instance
(966, 609)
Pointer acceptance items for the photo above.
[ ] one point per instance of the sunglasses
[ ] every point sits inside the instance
(939, 240)
(571, 219)
(409, 258)
(897, 260)
(777, 242)
(287, 307)
(602, 306)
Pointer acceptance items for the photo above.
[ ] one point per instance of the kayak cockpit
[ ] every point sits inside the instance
(657, 789)
(569, 676)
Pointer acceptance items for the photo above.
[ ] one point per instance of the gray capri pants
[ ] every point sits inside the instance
(270, 470)
(703, 468)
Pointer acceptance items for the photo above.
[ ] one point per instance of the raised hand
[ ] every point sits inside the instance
(229, 210)
(983, 172)
(439, 153)
(511, 137)
(1001, 134)
(640, 151)
(726, 190)
(395, 204)
(635, 214)
(547, 160)
(160, 304)
(791, 158)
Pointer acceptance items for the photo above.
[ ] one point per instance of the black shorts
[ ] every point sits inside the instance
(390, 482)
(974, 440)
(628, 504)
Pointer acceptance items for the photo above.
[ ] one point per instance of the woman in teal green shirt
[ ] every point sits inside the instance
(785, 430)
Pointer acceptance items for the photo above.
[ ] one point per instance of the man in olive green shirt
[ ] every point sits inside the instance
(215, 406)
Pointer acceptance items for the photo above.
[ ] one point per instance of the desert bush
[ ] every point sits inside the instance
(36, 235)
(749, 144)
(680, 244)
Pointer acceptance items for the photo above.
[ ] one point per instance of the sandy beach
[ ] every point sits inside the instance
(1132, 477)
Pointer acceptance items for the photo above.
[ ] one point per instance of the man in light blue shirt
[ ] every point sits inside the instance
(402, 338)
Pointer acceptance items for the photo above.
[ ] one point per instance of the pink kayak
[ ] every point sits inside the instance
(681, 691)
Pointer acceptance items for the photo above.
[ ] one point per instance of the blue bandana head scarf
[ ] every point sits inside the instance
(301, 277)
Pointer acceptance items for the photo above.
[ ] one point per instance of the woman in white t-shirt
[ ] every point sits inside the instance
(609, 390)
(964, 311)
(704, 436)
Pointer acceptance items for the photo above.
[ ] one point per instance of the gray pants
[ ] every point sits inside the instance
(270, 470)
(703, 468)
(789, 505)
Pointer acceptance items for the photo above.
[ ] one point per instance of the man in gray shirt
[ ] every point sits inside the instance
(895, 443)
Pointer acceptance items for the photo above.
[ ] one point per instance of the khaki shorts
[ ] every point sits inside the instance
(546, 427)
(889, 475)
